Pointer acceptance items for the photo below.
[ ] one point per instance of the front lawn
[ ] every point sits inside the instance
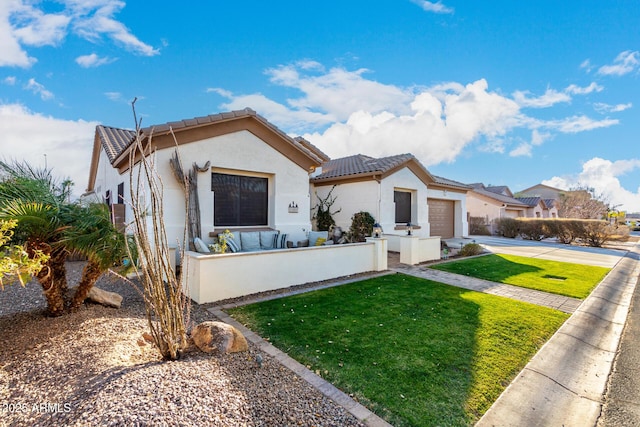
(563, 278)
(415, 352)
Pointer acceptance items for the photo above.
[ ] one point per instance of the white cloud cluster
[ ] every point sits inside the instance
(436, 7)
(24, 24)
(39, 89)
(603, 176)
(67, 144)
(92, 60)
(625, 63)
(360, 115)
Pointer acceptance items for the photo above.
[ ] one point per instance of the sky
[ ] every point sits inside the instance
(504, 92)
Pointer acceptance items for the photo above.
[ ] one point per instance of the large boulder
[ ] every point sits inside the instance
(218, 337)
(100, 296)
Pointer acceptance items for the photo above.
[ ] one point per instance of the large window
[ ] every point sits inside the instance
(402, 200)
(239, 200)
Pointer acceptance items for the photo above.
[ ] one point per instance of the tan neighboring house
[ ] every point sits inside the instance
(547, 194)
(544, 191)
(539, 207)
(395, 190)
(492, 203)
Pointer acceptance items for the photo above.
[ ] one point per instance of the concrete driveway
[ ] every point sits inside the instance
(550, 250)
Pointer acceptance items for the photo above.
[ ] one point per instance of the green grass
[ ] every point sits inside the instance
(416, 352)
(563, 278)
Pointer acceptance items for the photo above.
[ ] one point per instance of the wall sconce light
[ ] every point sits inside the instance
(293, 207)
(409, 229)
(377, 230)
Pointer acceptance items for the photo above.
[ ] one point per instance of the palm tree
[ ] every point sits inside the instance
(48, 223)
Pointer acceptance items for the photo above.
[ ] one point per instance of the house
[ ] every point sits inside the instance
(396, 190)
(539, 207)
(255, 176)
(544, 191)
(494, 202)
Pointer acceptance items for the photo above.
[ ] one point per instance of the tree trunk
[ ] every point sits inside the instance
(90, 275)
(53, 279)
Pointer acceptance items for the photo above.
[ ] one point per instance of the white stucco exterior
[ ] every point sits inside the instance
(239, 153)
(377, 197)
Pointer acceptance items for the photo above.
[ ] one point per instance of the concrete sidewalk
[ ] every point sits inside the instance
(565, 382)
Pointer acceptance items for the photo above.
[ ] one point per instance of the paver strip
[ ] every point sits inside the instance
(557, 302)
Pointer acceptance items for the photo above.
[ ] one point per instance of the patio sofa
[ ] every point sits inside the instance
(264, 240)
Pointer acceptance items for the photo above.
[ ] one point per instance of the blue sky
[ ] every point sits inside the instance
(504, 93)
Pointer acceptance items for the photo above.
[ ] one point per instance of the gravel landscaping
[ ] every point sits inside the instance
(93, 368)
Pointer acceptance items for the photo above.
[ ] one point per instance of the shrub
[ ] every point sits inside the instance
(361, 226)
(532, 229)
(506, 227)
(597, 233)
(477, 225)
(471, 249)
(324, 216)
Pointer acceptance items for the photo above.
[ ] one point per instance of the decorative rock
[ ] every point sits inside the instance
(110, 299)
(218, 337)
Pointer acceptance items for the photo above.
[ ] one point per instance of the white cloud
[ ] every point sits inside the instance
(23, 24)
(113, 96)
(586, 65)
(524, 149)
(549, 98)
(92, 60)
(602, 175)
(577, 124)
(39, 89)
(577, 90)
(606, 108)
(436, 7)
(10, 80)
(343, 112)
(625, 63)
(28, 136)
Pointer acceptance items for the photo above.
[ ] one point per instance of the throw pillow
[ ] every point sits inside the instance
(201, 247)
(280, 241)
(315, 235)
(233, 245)
(320, 241)
(268, 239)
(250, 240)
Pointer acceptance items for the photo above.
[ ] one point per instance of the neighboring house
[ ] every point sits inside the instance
(492, 203)
(539, 207)
(544, 191)
(395, 190)
(257, 178)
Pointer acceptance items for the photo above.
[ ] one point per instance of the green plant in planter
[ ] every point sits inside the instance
(324, 216)
(220, 246)
(361, 226)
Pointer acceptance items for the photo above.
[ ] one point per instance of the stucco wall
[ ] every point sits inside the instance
(350, 198)
(216, 277)
(240, 153)
(404, 179)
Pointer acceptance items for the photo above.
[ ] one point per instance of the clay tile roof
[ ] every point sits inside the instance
(114, 140)
(480, 189)
(529, 201)
(311, 149)
(450, 183)
(360, 164)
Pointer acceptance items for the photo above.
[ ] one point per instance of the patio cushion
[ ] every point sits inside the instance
(320, 241)
(314, 235)
(280, 241)
(250, 240)
(201, 247)
(268, 239)
(234, 245)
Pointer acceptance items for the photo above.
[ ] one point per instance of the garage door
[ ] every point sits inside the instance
(441, 217)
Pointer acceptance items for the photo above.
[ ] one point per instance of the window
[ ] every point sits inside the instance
(239, 200)
(402, 200)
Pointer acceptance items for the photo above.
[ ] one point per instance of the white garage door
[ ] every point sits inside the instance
(441, 217)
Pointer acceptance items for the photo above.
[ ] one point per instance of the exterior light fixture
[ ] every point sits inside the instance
(377, 230)
(409, 229)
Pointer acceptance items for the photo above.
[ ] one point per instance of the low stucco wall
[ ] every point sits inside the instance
(216, 277)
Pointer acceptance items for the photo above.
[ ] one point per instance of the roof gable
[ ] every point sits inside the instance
(360, 167)
(117, 142)
(480, 189)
